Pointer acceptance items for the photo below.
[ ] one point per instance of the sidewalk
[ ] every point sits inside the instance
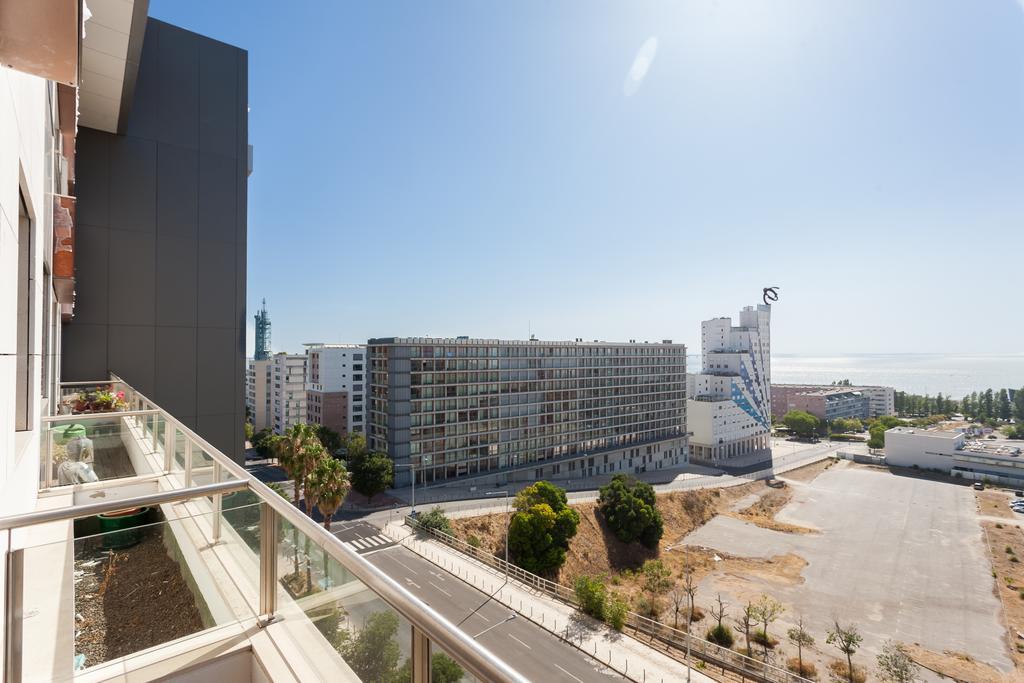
(626, 655)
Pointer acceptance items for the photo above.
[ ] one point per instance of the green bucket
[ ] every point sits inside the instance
(119, 528)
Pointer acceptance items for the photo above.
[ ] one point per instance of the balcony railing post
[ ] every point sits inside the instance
(48, 464)
(188, 462)
(420, 656)
(218, 502)
(14, 588)
(156, 431)
(169, 440)
(268, 561)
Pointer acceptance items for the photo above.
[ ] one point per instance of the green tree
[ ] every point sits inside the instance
(328, 485)
(877, 438)
(615, 612)
(436, 520)
(657, 578)
(799, 636)
(895, 664)
(847, 639)
(1018, 405)
(373, 653)
(592, 595)
(766, 611)
(747, 618)
(372, 473)
(296, 451)
(329, 438)
(843, 425)
(988, 404)
(443, 669)
(801, 423)
(541, 528)
(353, 445)
(1003, 409)
(249, 432)
(629, 506)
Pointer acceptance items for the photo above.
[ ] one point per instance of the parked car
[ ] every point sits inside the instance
(978, 486)
(1019, 494)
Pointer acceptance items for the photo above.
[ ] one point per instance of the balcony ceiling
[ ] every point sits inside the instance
(110, 61)
(40, 37)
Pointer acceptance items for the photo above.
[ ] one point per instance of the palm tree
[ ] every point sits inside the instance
(290, 449)
(311, 454)
(329, 484)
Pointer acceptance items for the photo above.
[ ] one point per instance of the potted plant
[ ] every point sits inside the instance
(119, 528)
(100, 401)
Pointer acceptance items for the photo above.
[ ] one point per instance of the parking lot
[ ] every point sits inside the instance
(902, 557)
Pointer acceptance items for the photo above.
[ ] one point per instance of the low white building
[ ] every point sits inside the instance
(954, 452)
(287, 389)
(336, 380)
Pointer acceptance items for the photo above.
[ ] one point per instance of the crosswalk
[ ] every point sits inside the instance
(368, 543)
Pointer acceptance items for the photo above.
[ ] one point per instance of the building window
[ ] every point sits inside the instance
(23, 372)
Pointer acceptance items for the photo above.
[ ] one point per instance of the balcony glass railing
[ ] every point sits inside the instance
(169, 547)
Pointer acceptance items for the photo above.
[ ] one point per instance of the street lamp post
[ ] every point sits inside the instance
(412, 468)
(508, 523)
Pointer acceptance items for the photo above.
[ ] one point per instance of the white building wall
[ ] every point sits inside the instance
(257, 392)
(287, 390)
(28, 135)
(343, 367)
(907, 447)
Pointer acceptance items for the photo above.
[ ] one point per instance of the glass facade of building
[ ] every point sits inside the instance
(458, 407)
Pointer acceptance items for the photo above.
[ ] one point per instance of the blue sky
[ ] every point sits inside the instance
(626, 170)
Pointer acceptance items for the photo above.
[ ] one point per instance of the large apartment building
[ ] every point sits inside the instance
(729, 406)
(287, 388)
(828, 401)
(496, 411)
(336, 379)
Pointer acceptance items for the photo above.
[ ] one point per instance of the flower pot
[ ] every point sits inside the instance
(119, 528)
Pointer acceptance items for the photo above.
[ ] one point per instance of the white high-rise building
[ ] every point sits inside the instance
(287, 387)
(729, 401)
(336, 380)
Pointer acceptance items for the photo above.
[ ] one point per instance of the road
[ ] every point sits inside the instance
(531, 650)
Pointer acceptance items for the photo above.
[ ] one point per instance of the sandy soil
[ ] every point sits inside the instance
(994, 503)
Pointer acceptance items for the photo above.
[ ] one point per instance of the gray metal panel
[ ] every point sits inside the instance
(144, 115)
(84, 352)
(220, 430)
(179, 86)
(130, 355)
(131, 291)
(176, 282)
(92, 177)
(218, 178)
(178, 188)
(92, 245)
(215, 362)
(132, 184)
(218, 98)
(176, 369)
(216, 282)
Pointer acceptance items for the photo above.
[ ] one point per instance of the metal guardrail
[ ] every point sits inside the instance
(711, 653)
(427, 624)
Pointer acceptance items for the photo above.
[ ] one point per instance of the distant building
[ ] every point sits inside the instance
(287, 389)
(257, 393)
(729, 406)
(500, 411)
(829, 401)
(262, 333)
(952, 452)
(336, 379)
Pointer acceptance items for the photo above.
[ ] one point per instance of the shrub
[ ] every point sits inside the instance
(436, 520)
(1021, 593)
(697, 614)
(763, 639)
(998, 525)
(474, 541)
(1013, 558)
(615, 611)
(1009, 550)
(720, 634)
(840, 672)
(629, 506)
(648, 607)
(592, 596)
(807, 671)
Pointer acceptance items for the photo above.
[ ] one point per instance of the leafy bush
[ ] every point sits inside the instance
(539, 533)
(801, 423)
(372, 473)
(629, 506)
(648, 607)
(720, 634)
(473, 541)
(848, 437)
(763, 639)
(592, 596)
(615, 611)
(436, 520)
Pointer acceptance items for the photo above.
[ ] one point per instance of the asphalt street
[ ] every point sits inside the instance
(531, 650)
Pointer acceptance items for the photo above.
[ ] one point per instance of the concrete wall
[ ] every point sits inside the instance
(161, 266)
(908, 447)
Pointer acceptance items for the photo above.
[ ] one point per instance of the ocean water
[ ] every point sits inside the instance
(919, 373)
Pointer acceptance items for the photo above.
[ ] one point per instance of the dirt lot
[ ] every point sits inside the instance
(1006, 547)
(994, 503)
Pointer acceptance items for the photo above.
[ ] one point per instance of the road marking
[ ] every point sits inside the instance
(506, 620)
(413, 583)
(404, 564)
(569, 674)
(438, 576)
(519, 641)
(360, 544)
(439, 588)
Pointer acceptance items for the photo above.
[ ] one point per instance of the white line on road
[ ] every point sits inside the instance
(519, 641)
(404, 564)
(569, 674)
(439, 588)
(413, 583)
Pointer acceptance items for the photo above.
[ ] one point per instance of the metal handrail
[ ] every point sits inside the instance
(78, 511)
(479, 660)
(100, 415)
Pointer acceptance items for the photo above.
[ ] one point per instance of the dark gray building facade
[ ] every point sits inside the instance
(161, 262)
